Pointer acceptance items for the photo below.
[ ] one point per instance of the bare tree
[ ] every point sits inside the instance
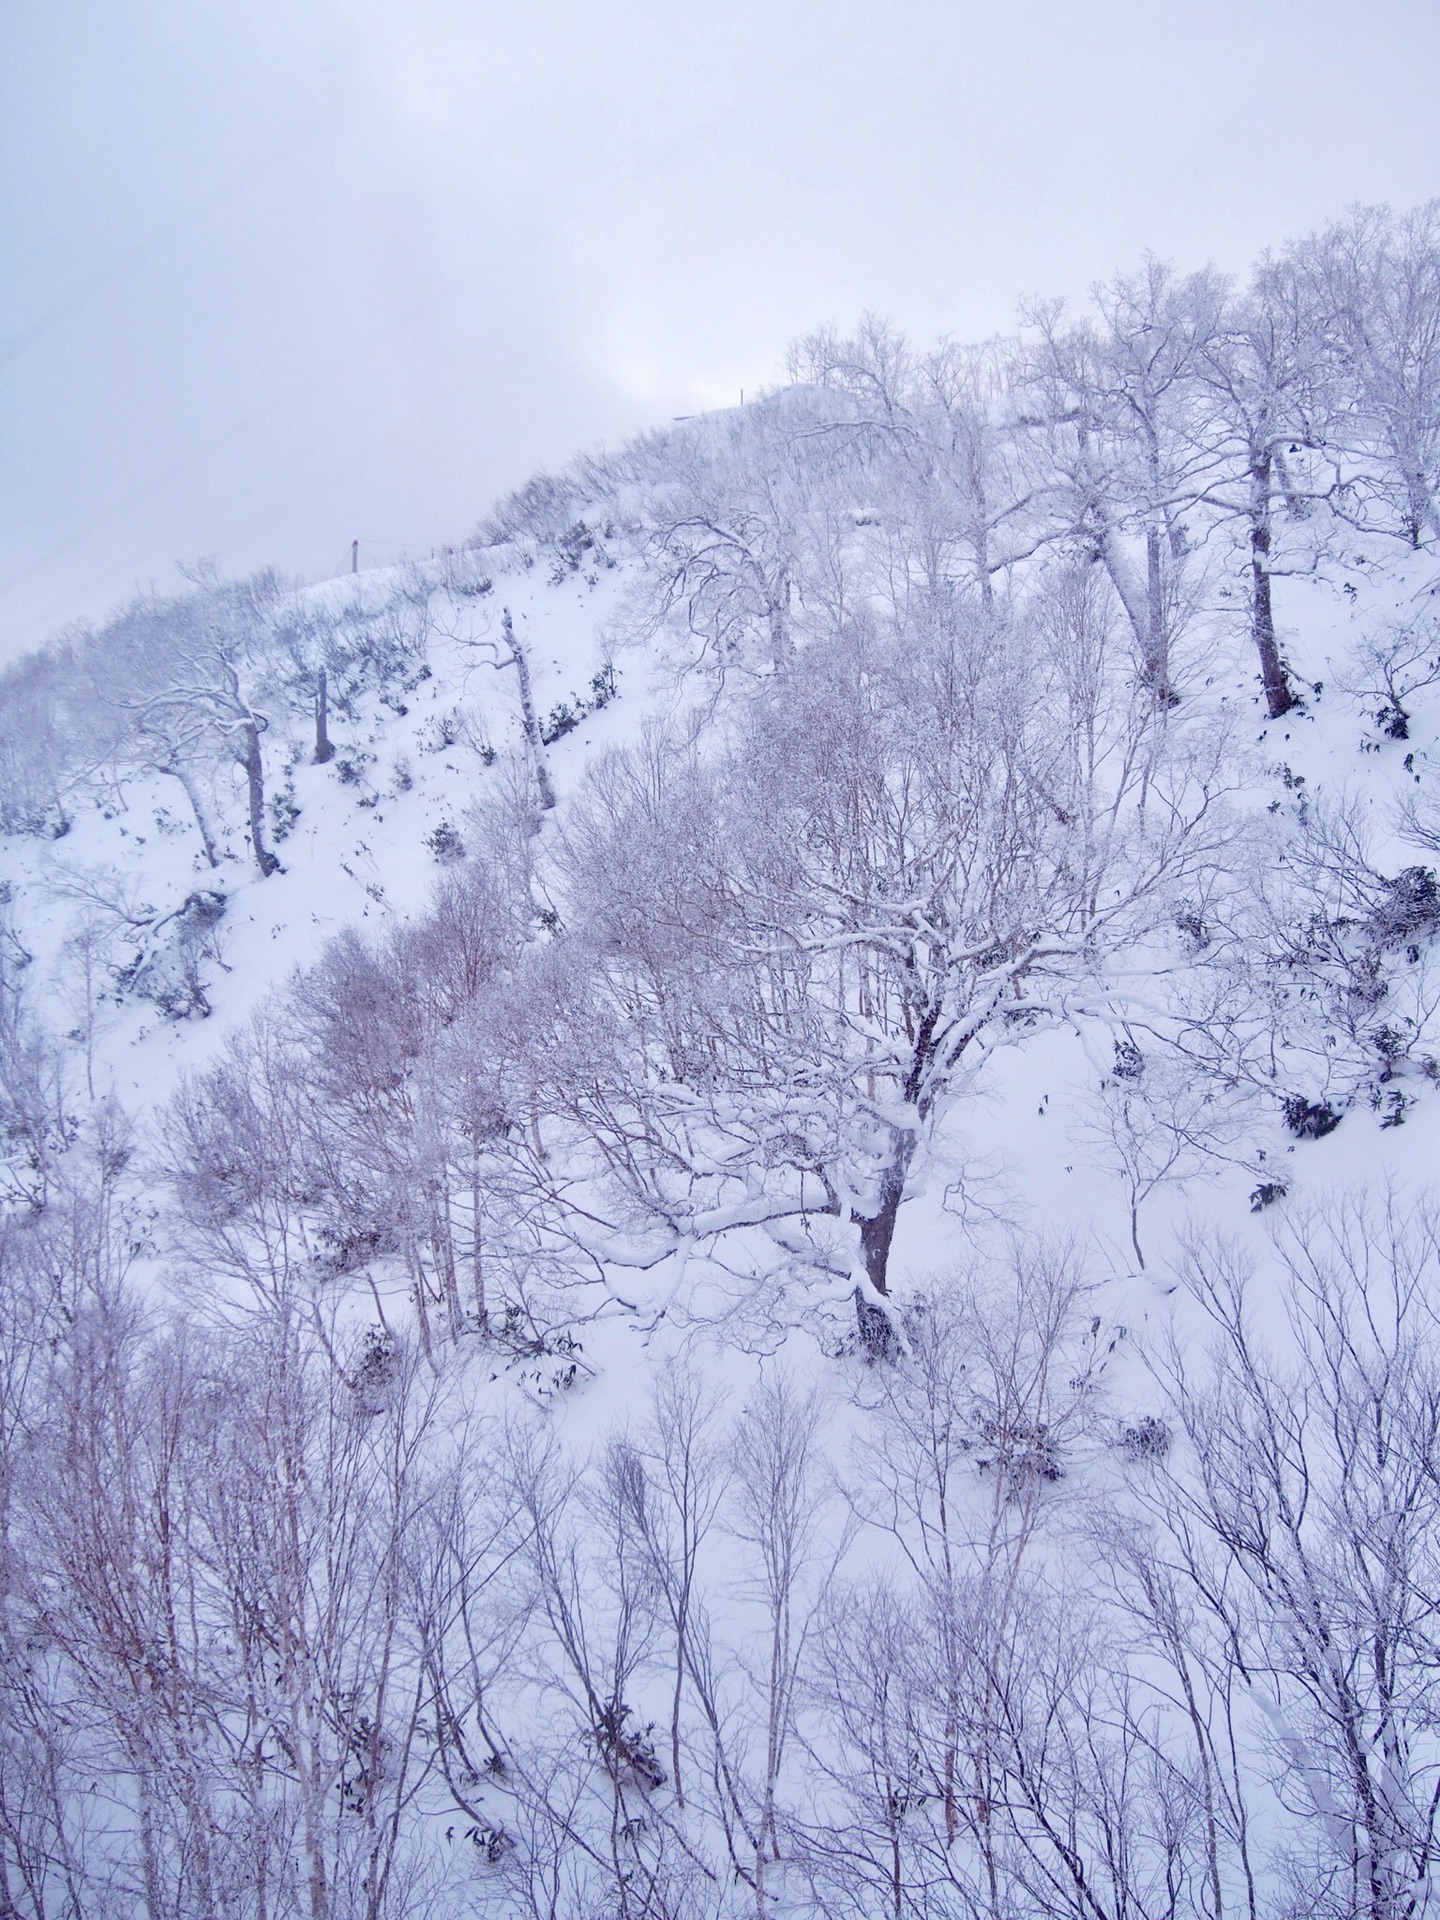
(184, 664)
(1300, 1514)
(514, 655)
(1374, 278)
(811, 945)
(1114, 404)
(1263, 368)
(1155, 1122)
(673, 1478)
(730, 509)
(933, 459)
(776, 1510)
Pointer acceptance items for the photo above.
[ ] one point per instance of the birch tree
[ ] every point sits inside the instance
(1112, 403)
(1263, 369)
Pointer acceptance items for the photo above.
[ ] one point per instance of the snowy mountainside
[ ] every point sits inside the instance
(368, 834)
(725, 1204)
(359, 832)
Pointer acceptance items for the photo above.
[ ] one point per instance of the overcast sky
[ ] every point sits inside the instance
(280, 275)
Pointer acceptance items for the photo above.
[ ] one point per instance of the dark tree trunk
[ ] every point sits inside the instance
(255, 781)
(1421, 503)
(1156, 665)
(877, 1232)
(324, 749)
(1279, 698)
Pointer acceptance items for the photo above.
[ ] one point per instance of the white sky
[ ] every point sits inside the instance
(280, 275)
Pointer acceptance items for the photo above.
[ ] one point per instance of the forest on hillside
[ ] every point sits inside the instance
(537, 1376)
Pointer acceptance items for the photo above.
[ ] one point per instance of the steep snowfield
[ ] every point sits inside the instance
(357, 852)
(1051, 1435)
(1018, 1152)
(781, 1255)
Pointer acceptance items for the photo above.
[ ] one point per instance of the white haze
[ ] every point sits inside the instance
(277, 277)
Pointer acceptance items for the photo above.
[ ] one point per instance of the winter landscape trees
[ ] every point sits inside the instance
(332, 1646)
(616, 1337)
(917, 839)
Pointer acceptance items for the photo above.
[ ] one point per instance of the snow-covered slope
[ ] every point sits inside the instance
(474, 1216)
(358, 846)
(367, 836)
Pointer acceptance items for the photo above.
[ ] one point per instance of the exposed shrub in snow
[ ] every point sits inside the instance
(1409, 907)
(1266, 1194)
(445, 843)
(567, 714)
(1309, 1119)
(1147, 1438)
(373, 1371)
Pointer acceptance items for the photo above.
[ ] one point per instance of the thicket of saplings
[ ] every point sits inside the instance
(290, 1628)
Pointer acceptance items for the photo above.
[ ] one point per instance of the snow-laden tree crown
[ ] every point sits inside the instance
(722, 1204)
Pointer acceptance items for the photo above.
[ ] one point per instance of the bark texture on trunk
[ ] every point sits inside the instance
(878, 1230)
(1156, 664)
(877, 1233)
(1279, 697)
(255, 781)
(782, 646)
